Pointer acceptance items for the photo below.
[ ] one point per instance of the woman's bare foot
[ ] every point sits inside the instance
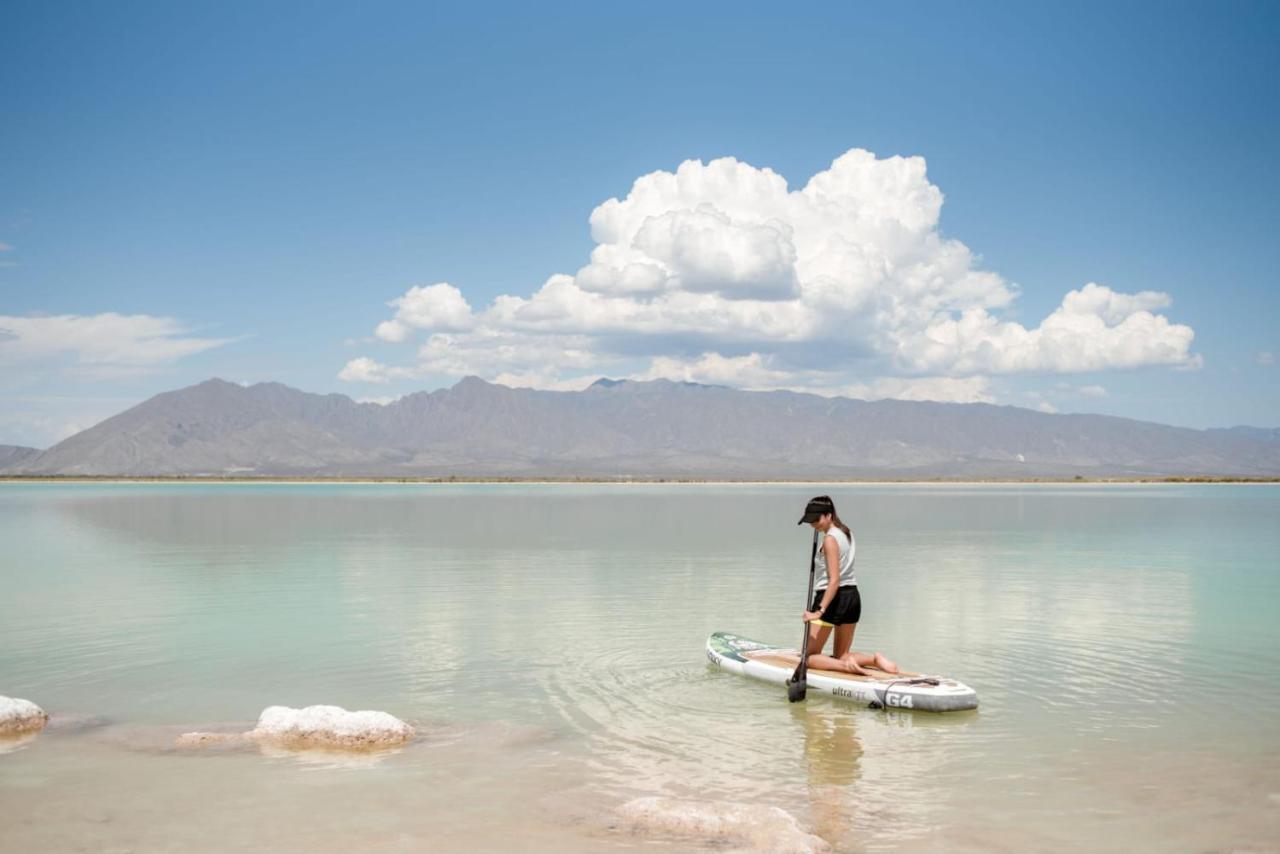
(885, 664)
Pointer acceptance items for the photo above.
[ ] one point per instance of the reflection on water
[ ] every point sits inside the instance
(832, 755)
(11, 743)
(547, 641)
(832, 751)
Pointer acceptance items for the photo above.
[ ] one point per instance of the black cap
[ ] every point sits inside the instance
(816, 509)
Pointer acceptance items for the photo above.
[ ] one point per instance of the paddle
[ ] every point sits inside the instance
(796, 685)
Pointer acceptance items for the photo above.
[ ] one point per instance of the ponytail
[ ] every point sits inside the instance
(835, 517)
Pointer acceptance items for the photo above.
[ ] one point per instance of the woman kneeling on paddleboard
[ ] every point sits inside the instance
(836, 603)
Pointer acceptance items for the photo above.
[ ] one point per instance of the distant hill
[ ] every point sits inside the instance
(1260, 434)
(11, 455)
(629, 429)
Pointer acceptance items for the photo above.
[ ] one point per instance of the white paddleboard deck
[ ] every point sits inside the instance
(916, 691)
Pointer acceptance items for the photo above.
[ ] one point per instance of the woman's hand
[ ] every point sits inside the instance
(810, 616)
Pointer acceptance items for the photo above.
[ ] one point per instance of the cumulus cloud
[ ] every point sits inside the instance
(366, 370)
(720, 272)
(1265, 358)
(751, 371)
(438, 306)
(1095, 328)
(543, 380)
(947, 389)
(100, 344)
(756, 371)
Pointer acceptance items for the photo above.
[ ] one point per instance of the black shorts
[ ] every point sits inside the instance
(845, 609)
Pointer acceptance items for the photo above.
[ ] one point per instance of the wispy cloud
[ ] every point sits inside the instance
(99, 345)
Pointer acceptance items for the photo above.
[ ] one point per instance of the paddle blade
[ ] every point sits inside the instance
(796, 690)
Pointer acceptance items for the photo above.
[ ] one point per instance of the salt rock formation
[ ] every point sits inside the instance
(329, 727)
(20, 717)
(750, 826)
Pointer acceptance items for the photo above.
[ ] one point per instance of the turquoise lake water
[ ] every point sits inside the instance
(547, 640)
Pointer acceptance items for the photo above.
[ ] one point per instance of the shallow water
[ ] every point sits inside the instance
(548, 642)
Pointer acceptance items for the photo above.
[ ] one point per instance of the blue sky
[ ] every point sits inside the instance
(240, 190)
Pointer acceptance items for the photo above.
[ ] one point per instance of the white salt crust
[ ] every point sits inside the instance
(20, 717)
(320, 727)
(751, 827)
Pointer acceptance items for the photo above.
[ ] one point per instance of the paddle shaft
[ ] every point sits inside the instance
(802, 669)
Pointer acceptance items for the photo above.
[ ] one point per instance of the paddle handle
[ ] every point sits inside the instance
(802, 669)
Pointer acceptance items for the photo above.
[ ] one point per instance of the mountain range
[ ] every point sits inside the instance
(627, 429)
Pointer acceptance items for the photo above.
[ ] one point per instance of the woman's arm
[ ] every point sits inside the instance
(832, 553)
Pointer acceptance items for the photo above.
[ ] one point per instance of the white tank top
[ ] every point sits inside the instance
(846, 545)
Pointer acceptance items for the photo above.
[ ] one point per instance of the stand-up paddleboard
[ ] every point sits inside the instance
(882, 690)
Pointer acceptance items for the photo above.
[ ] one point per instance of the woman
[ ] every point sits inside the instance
(836, 603)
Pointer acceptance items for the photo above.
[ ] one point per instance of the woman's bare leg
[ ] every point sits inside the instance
(844, 639)
(877, 660)
(843, 651)
(817, 640)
